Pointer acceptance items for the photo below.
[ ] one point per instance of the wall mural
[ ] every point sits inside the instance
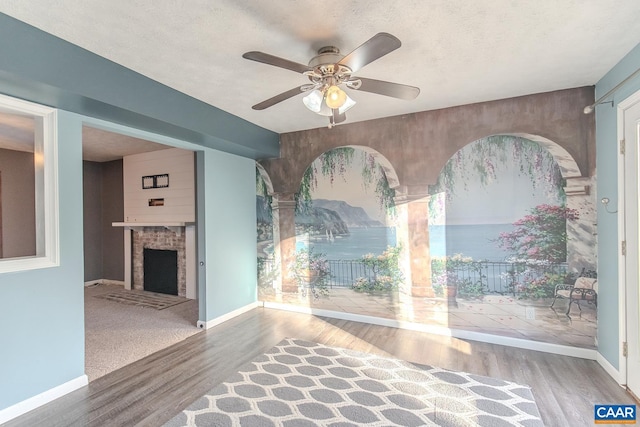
(498, 221)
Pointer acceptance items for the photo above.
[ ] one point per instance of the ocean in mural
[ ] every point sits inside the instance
(359, 242)
(470, 240)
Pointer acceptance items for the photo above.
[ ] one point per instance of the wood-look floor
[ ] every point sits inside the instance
(151, 391)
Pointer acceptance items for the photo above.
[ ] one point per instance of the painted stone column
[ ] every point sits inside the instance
(413, 233)
(284, 238)
(581, 233)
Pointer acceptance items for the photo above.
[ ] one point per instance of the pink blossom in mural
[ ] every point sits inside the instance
(541, 235)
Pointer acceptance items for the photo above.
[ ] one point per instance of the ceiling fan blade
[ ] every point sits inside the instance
(394, 90)
(278, 98)
(265, 58)
(374, 48)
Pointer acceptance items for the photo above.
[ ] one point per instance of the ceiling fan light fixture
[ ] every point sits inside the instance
(335, 97)
(313, 101)
(347, 105)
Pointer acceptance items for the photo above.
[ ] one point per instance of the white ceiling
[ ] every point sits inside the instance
(456, 51)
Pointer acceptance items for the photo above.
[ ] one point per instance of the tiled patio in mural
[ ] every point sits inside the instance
(493, 314)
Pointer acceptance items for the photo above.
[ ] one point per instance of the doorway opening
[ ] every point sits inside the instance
(125, 317)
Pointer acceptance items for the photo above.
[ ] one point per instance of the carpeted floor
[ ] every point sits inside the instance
(143, 298)
(118, 334)
(300, 383)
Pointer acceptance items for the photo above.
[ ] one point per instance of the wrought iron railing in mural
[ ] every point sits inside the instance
(482, 277)
(521, 279)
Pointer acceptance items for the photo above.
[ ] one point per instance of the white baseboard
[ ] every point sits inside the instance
(104, 282)
(609, 369)
(583, 353)
(34, 402)
(213, 322)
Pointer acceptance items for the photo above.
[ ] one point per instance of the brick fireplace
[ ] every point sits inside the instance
(179, 237)
(159, 238)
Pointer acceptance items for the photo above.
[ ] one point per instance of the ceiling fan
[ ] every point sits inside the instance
(329, 70)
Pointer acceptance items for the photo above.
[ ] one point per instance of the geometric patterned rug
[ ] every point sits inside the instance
(143, 298)
(301, 383)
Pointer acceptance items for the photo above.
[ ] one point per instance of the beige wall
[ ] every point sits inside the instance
(18, 203)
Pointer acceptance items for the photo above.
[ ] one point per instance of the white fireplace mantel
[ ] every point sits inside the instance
(176, 227)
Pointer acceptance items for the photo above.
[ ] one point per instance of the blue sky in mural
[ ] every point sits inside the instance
(502, 201)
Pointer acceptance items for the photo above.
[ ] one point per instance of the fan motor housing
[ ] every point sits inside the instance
(327, 57)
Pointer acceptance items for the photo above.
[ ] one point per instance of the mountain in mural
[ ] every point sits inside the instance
(353, 216)
(321, 221)
(314, 220)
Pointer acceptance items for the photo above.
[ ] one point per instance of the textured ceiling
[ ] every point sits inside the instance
(102, 146)
(456, 51)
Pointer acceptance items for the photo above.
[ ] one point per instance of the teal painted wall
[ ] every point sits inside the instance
(230, 233)
(45, 69)
(609, 340)
(42, 311)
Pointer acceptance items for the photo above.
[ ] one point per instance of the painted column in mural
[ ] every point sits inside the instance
(413, 209)
(284, 238)
(581, 233)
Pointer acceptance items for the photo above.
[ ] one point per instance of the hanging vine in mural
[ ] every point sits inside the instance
(484, 158)
(263, 192)
(335, 163)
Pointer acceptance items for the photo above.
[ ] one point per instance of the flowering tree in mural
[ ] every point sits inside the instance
(541, 235)
(538, 240)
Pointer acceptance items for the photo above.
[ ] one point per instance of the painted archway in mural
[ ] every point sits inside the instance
(343, 215)
(511, 223)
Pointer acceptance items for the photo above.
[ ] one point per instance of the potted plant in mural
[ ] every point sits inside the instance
(312, 271)
(458, 276)
(384, 273)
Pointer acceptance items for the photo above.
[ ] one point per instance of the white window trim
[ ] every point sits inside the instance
(47, 208)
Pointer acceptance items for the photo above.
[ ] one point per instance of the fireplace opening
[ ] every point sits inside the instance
(161, 271)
